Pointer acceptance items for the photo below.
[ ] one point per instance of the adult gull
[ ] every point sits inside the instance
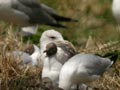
(83, 68)
(65, 49)
(29, 12)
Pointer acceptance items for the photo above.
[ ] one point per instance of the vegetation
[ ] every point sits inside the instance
(96, 32)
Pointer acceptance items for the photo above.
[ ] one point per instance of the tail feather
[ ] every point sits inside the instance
(58, 25)
(64, 19)
(114, 58)
(53, 13)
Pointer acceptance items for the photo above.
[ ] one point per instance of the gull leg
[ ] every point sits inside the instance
(77, 87)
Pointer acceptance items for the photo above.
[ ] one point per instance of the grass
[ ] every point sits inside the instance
(95, 20)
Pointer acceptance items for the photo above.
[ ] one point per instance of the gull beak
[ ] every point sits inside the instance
(45, 51)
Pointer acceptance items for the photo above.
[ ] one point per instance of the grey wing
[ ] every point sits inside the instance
(34, 11)
(30, 3)
(24, 57)
(98, 65)
(57, 17)
(48, 9)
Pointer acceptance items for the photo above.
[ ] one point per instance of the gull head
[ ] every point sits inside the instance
(47, 82)
(48, 37)
(30, 49)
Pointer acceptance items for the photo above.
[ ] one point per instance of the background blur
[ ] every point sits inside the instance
(95, 19)
(94, 16)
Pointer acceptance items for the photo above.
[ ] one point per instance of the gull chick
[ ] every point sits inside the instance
(24, 58)
(29, 56)
(65, 50)
(34, 53)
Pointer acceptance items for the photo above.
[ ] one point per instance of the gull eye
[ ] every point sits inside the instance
(52, 37)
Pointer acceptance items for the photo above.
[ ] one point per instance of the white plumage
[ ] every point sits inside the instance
(65, 50)
(35, 56)
(30, 30)
(116, 9)
(51, 67)
(49, 36)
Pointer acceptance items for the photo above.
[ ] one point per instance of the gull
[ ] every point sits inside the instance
(51, 67)
(116, 9)
(29, 13)
(83, 68)
(29, 56)
(47, 83)
(34, 53)
(65, 49)
(24, 58)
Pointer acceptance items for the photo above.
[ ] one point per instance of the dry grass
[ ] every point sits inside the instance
(17, 77)
(12, 75)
